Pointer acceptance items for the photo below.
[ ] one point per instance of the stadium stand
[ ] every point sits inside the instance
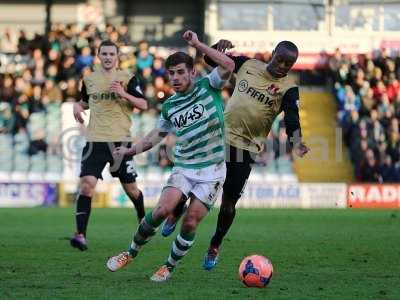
(367, 92)
(318, 115)
(39, 75)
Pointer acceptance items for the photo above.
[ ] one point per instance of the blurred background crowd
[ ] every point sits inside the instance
(38, 74)
(367, 91)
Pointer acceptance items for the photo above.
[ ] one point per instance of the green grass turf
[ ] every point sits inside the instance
(317, 254)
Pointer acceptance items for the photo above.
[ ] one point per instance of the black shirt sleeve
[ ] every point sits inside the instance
(84, 95)
(291, 118)
(134, 88)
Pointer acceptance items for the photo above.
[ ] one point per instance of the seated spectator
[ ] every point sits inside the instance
(21, 113)
(39, 75)
(35, 102)
(379, 90)
(144, 59)
(388, 171)
(7, 92)
(127, 61)
(70, 90)
(369, 168)
(37, 57)
(53, 57)
(52, 72)
(396, 106)
(350, 124)
(68, 69)
(21, 86)
(393, 87)
(124, 36)
(52, 91)
(387, 117)
(6, 118)
(359, 81)
(394, 145)
(85, 59)
(358, 149)
(343, 74)
(146, 77)
(158, 68)
(23, 43)
(377, 131)
(351, 100)
(114, 37)
(381, 150)
(369, 68)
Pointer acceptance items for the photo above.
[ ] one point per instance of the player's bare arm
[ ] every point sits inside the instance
(79, 109)
(301, 149)
(222, 46)
(139, 103)
(82, 105)
(149, 141)
(225, 64)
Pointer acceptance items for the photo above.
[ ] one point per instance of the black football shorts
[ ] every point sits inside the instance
(238, 167)
(96, 155)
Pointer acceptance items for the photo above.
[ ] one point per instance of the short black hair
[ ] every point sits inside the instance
(179, 58)
(287, 45)
(108, 43)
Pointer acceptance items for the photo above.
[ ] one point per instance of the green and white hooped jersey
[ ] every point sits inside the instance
(197, 119)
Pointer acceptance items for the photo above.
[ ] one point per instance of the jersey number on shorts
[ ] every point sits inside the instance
(130, 169)
(214, 192)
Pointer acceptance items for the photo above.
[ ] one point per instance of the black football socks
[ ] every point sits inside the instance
(225, 220)
(139, 206)
(83, 208)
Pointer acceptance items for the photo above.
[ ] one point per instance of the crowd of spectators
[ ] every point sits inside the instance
(39, 72)
(367, 91)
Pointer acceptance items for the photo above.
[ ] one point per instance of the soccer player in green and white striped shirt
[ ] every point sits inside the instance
(195, 115)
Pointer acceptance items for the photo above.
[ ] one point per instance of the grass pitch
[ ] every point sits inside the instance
(317, 254)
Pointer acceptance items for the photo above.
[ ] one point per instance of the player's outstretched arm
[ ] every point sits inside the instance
(80, 107)
(225, 64)
(290, 107)
(301, 149)
(135, 100)
(149, 141)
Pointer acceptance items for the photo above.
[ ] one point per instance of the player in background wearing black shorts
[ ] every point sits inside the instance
(261, 93)
(110, 94)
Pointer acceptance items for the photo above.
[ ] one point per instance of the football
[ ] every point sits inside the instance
(255, 271)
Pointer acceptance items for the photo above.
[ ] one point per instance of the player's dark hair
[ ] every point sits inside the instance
(179, 58)
(288, 45)
(108, 43)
